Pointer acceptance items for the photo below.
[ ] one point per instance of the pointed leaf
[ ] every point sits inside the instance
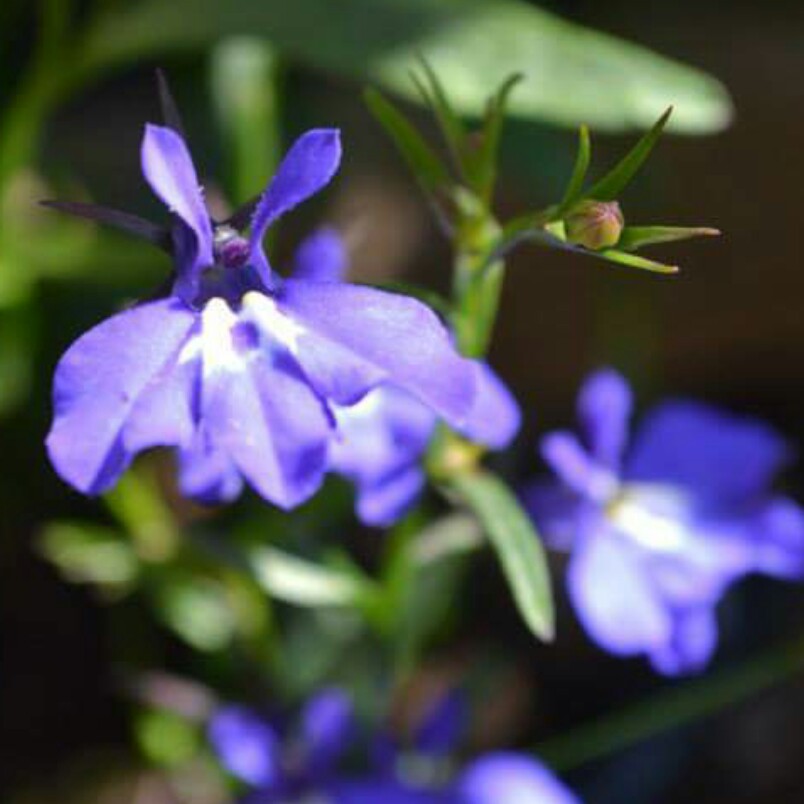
(452, 127)
(634, 261)
(635, 237)
(426, 166)
(481, 163)
(574, 191)
(519, 549)
(613, 183)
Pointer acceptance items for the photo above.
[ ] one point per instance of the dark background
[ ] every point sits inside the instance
(729, 328)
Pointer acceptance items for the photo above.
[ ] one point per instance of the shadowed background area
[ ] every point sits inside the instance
(729, 328)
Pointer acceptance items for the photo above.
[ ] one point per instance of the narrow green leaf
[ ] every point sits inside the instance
(518, 547)
(612, 184)
(481, 161)
(304, 583)
(635, 237)
(426, 166)
(634, 261)
(452, 127)
(574, 190)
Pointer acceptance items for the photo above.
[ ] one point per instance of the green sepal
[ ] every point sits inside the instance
(426, 166)
(635, 237)
(612, 184)
(513, 537)
(632, 260)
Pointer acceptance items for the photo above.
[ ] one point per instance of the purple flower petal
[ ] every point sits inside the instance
(577, 469)
(99, 382)
(327, 727)
(495, 418)
(383, 791)
(357, 337)
(321, 257)
(721, 458)
(308, 166)
(508, 778)
(384, 502)
(692, 642)
(246, 746)
(612, 593)
(206, 474)
(272, 428)
(604, 409)
(443, 725)
(778, 535)
(168, 168)
(555, 509)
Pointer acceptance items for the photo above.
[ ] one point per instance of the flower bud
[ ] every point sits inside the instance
(595, 224)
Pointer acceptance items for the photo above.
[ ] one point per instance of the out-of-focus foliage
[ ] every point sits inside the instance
(472, 44)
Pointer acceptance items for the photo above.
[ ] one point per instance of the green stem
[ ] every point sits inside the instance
(673, 709)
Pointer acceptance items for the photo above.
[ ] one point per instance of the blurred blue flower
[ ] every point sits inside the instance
(239, 368)
(658, 531)
(301, 764)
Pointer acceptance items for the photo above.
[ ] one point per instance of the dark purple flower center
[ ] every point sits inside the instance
(231, 250)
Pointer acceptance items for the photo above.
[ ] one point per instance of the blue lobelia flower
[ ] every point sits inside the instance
(659, 531)
(381, 440)
(238, 368)
(303, 763)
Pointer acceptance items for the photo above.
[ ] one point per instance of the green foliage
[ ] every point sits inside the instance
(165, 738)
(519, 549)
(470, 44)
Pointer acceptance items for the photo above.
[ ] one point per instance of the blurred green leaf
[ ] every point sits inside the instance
(18, 344)
(614, 182)
(635, 237)
(165, 738)
(244, 78)
(518, 547)
(137, 503)
(197, 609)
(423, 163)
(574, 74)
(304, 583)
(87, 553)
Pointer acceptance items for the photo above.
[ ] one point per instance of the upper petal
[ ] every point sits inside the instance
(126, 361)
(495, 418)
(168, 168)
(357, 337)
(321, 257)
(246, 746)
(604, 409)
(307, 167)
(720, 457)
(613, 594)
(509, 778)
(580, 472)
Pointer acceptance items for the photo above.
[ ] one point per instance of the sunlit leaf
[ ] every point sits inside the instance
(519, 549)
(574, 75)
(304, 583)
